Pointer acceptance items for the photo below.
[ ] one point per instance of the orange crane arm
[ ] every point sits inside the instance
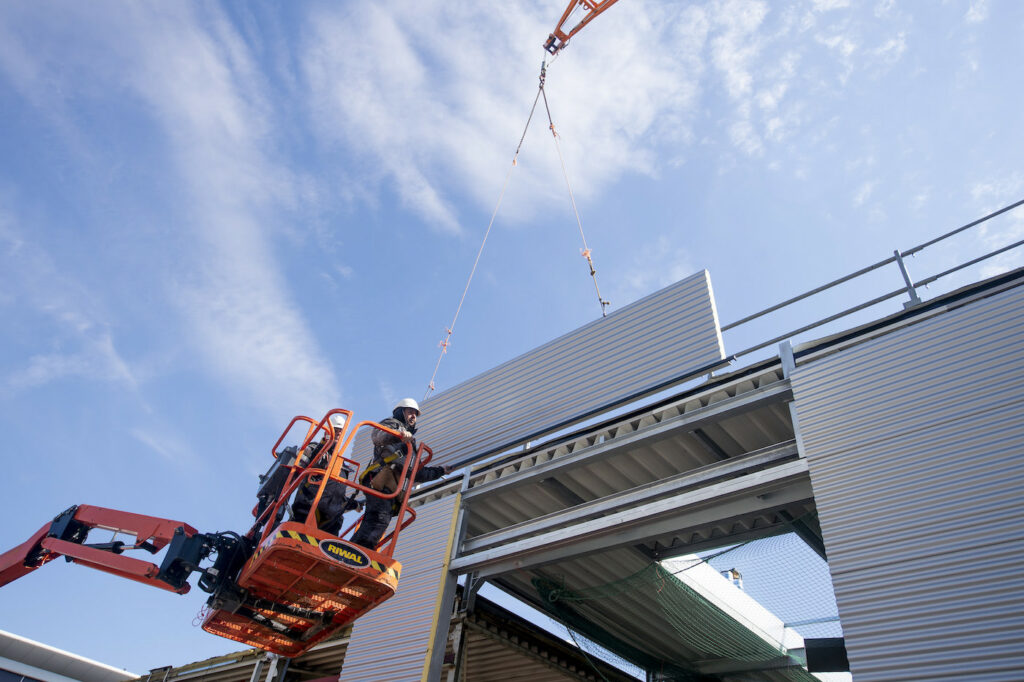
(559, 38)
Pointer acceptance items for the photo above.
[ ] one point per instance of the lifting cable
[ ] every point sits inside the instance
(451, 327)
(585, 251)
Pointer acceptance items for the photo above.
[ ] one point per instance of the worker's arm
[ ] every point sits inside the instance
(431, 473)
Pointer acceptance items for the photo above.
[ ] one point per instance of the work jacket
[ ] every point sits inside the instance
(389, 455)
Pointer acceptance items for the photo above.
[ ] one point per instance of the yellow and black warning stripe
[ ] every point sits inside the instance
(390, 570)
(301, 537)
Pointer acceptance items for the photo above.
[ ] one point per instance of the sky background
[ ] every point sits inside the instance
(216, 216)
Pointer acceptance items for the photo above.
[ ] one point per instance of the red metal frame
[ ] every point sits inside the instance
(559, 38)
(149, 531)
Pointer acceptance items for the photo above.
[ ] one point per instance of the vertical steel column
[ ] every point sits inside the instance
(788, 366)
(446, 600)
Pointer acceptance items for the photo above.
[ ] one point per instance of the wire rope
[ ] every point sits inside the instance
(579, 223)
(585, 252)
(451, 328)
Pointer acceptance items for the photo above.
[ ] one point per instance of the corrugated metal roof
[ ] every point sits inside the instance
(322, 660)
(500, 645)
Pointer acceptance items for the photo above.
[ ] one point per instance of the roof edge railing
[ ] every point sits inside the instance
(910, 289)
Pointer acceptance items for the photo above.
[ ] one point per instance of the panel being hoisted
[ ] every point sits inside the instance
(634, 350)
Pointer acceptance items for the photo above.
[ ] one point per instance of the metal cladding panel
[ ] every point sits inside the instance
(391, 642)
(915, 448)
(638, 347)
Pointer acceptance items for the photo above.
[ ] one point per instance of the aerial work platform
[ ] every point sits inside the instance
(283, 586)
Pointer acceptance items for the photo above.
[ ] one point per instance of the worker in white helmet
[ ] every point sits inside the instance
(389, 454)
(333, 503)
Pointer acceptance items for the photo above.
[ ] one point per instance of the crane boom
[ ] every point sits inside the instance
(559, 37)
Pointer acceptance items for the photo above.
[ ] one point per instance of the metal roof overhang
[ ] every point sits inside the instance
(27, 657)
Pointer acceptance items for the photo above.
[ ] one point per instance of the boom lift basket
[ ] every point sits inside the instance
(302, 583)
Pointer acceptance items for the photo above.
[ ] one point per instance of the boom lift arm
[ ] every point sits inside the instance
(67, 536)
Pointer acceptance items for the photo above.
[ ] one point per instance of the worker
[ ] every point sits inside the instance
(333, 503)
(389, 454)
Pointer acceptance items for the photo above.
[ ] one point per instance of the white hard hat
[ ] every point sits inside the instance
(408, 402)
(337, 421)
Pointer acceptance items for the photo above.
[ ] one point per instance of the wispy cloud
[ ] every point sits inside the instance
(198, 76)
(81, 342)
(864, 192)
(208, 102)
(97, 359)
(654, 266)
(977, 12)
(167, 443)
(437, 114)
(991, 195)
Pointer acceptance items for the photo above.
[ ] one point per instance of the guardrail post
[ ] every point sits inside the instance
(911, 290)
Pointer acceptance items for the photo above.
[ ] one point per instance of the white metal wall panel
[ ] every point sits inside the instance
(391, 642)
(915, 448)
(638, 347)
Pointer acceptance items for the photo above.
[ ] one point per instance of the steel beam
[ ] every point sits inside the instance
(777, 392)
(755, 492)
(633, 497)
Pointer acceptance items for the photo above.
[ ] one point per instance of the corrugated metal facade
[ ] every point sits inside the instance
(915, 445)
(391, 642)
(638, 347)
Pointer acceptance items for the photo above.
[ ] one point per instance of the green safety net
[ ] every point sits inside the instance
(683, 627)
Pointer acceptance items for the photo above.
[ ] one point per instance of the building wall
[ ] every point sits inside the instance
(392, 642)
(915, 448)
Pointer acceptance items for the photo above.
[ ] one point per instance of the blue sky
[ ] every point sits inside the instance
(214, 217)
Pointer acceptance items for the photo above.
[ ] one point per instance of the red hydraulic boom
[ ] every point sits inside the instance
(284, 585)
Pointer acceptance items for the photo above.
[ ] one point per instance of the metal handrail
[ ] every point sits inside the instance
(897, 257)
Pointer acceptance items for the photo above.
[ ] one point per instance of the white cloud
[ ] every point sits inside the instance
(884, 8)
(737, 46)
(892, 50)
(203, 92)
(201, 82)
(436, 114)
(864, 192)
(829, 5)
(977, 12)
(843, 45)
(989, 196)
(97, 359)
(655, 266)
(165, 442)
(82, 344)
